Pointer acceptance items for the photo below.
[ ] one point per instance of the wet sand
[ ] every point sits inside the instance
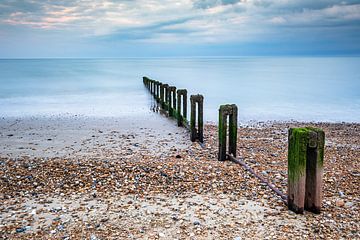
(104, 178)
(95, 137)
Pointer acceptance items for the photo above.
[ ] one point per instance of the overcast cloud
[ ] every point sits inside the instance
(206, 27)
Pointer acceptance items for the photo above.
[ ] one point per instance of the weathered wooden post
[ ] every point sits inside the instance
(158, 87)
(199, 132)
(172, 100)
(152, 87)
(162, 95)
(181, 117)
(305, 169)
(165, 96)
(146, 82)
(227, 111)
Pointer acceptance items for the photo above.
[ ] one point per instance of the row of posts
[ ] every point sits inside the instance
(305, 145)
(174, 103)
(305, 159)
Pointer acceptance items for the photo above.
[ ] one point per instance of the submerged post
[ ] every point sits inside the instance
(196, 133)
(227, 111)
(305, 169)
(181, 98)
(146, 82)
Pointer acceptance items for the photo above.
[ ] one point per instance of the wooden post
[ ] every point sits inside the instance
(172, 100)
(158, 91)
(181, 117)
(155, 89)
(314, 170)
(196, 133)
(305, 169)
(162, 89)
(146, 82)
(225, 111)
(165, 96)
(152, 87)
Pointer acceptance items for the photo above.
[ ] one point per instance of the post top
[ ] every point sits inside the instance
(181, 91)
(228, 108)
(197, 97)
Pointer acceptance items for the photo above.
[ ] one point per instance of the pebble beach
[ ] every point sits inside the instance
(116, 178)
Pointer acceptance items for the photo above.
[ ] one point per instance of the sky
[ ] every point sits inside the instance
(170, 28)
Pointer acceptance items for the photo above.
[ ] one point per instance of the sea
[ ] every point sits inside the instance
(325, 89)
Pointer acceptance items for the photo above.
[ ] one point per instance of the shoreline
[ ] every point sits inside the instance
(172, 188)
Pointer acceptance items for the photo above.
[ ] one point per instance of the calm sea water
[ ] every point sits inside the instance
(264, 88)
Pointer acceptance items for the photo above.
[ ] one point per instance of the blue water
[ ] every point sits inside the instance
(264, 88)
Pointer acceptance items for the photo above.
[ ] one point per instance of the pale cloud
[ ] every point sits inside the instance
(181, 20)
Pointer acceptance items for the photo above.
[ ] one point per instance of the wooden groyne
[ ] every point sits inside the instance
(173, 103)
(305, 145)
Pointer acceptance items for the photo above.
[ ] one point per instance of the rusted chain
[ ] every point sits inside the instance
(248, 168)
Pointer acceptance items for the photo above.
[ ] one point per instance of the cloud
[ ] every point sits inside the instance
(205, 4)
(184, 21)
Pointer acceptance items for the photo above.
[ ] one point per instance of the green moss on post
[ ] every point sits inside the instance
(201, 119)
(164, 96)
(305, 166)
(181, 100)
(172, 100)
(158, 89)
(225, 111)
(193, 133)
(233, 130)
(197, 134)
(222, 133)
(298, 140)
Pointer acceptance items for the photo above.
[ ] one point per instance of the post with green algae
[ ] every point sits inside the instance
(162, 95)
(158, 89)
(165, 96)
(181, 98)
(227, 111)
(196, 133)
(167, 99)
(157, 84)
(155, 89)
(152, 87)
(305, 169)
(172, 101)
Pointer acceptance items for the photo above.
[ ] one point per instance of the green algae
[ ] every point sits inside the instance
(299, 139)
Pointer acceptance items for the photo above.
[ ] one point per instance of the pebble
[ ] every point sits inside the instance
(340, 203)
(196, 222)
(141, 175)
(20, 230)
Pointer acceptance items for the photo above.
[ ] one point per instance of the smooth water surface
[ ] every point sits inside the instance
(264, 88)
